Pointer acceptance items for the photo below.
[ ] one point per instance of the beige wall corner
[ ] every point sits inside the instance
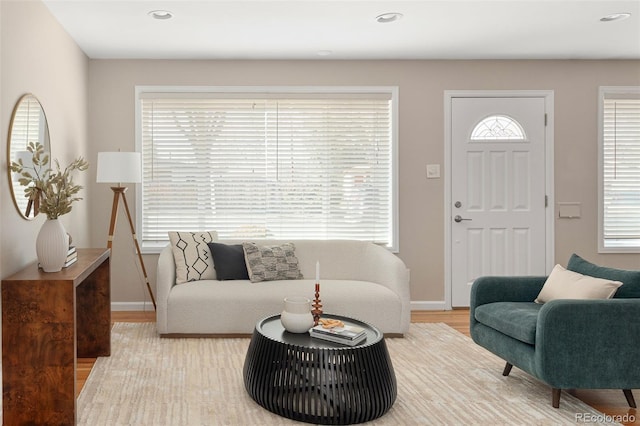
(37, 56)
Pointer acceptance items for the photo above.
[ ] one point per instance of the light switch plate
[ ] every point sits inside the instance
(433, 171)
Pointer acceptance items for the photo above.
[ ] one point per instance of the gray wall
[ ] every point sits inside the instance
(422, 85)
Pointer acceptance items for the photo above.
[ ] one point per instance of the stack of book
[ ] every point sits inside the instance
(72, 256)
(346, 334)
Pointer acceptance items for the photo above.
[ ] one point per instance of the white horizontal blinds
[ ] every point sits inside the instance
(329, 169)
(294, 167)
(28, 125)
(621, 167)
(203, 165)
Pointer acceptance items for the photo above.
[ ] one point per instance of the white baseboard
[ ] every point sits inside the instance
(147, 306)
(131, 306)
(425, 305)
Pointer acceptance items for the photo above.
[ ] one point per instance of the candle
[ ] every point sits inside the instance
(318, 271)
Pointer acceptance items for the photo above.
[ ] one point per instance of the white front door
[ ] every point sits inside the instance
(498, 200)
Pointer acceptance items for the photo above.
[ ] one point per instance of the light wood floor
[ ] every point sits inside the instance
(611, 402)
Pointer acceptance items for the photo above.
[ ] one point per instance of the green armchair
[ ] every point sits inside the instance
(568, 344)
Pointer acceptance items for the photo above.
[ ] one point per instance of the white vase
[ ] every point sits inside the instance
(296, 316)
(52, 245)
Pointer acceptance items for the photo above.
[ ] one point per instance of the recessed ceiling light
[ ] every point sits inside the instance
(160, 14)
(615, 17)
(389, 17)
(324, 52)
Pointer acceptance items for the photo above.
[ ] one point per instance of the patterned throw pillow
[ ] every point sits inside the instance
(269, 263)
(192, 255)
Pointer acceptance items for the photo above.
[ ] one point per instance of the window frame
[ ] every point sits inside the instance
(603, 91)
(393, 91)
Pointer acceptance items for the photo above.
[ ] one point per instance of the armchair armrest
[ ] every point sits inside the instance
(492, 289)
(589, 344)
(505, 289)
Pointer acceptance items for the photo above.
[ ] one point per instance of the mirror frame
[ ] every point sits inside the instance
(14, 186)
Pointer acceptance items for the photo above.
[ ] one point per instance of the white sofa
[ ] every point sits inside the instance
(357, 279)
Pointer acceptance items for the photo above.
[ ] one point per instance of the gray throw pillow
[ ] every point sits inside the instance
(228, 260)
(270, 263)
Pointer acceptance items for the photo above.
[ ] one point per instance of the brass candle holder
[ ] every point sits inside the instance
(317, 306)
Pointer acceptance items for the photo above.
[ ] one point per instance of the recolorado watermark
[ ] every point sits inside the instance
(605, 418)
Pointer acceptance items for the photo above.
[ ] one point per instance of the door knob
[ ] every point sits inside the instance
(459, 218)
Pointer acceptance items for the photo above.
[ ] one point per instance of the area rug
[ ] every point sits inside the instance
(443, 379)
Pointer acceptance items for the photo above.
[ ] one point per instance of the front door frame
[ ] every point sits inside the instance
(548, 96)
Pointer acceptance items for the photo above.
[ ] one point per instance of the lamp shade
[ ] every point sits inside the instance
(119, 167)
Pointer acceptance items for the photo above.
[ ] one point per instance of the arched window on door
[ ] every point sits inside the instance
(498, 128)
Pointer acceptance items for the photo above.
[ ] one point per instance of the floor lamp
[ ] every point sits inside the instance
(122, 167)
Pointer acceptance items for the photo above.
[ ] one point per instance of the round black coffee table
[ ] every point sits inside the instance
(316, 381)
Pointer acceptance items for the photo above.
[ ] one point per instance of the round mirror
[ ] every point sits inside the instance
(28, 125)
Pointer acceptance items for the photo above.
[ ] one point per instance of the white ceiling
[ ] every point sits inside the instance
(299, 29)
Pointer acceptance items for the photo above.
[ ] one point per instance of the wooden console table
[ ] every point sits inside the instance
(48, 320)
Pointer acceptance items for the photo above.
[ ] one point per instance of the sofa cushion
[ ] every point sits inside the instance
(563, 284)
(228, 261)
(515, 319)
(212, 306)
(192, 255)
(269, 263)
(630, 279)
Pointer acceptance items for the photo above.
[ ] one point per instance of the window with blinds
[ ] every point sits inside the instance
(620, 169)
(273, 165)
